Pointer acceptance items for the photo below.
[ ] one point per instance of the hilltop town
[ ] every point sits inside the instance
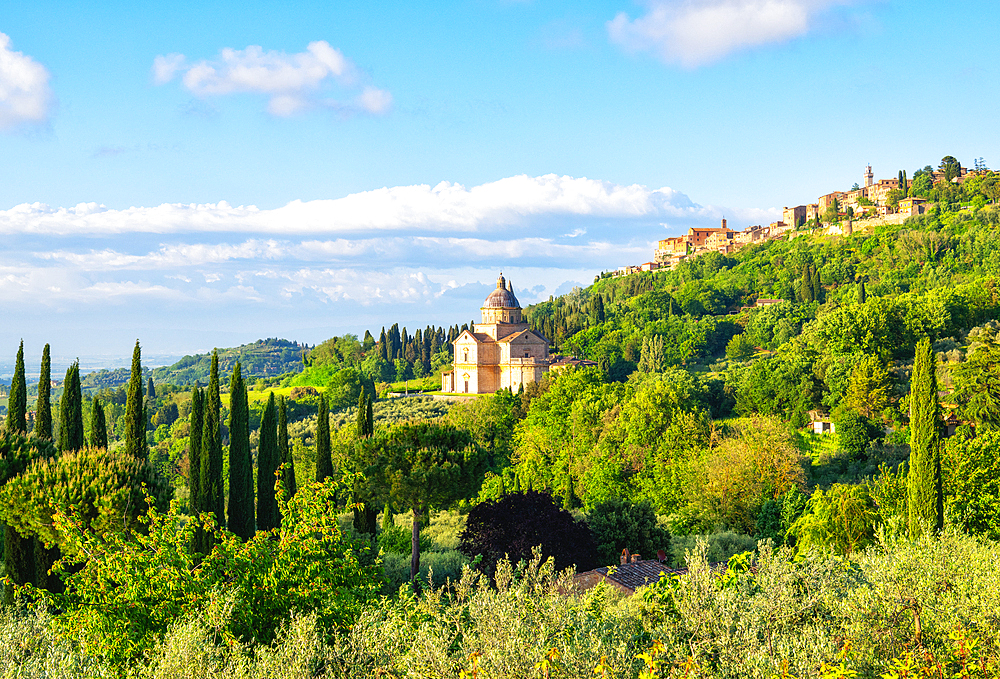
(839, 212)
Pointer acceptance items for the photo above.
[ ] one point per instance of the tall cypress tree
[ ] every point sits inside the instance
(925, 500)
(17, 403)
(267, 464)
(150, 389)
(383, 346)
(71, 411)
(98, 425)
(862, 294)
(370, 415)
(135, 412)
(361, 420)
(817, 286)
(241, 507)
(324, 461)
(212, 490)
(43, 408)
(194, 453)
(288, 472)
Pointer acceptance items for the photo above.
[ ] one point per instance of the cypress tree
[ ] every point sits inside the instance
(324, 461)
(71, 411)
(195, 501)
(383, 349)
(135, 415)
(211, 489)
(862, 294)
(241, 507)
(805, 286)
(150, 389)
(288, 472)
(817, 286)
(925, 500)
(370, 415)
(361, 420)
(98, 425)
(43, 408)
(267, 465)
(17, 403)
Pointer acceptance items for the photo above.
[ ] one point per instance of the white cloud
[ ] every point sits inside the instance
(693, 33)
(25, 96)
(165, 67)
(293, 82)
(514, 202)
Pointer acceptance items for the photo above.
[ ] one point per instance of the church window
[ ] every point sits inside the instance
(465, 356)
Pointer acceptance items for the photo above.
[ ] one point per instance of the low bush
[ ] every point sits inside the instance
(719, 546)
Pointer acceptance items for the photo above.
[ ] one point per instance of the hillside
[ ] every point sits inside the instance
(263, 358)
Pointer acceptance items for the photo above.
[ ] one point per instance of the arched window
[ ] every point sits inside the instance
(465, 355)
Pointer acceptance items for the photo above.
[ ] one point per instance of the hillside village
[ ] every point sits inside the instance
(838, 212)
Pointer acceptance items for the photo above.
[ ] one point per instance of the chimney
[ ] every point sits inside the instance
(636, 558)
(625, 555)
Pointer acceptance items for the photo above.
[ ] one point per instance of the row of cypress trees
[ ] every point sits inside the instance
(205, 457)
(26, 559)
(71, 429)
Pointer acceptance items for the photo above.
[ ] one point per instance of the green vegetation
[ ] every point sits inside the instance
(866, 552)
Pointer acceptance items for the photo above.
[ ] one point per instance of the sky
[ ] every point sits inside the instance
(201, 175)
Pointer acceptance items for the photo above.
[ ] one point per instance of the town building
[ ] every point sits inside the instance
(502, 352)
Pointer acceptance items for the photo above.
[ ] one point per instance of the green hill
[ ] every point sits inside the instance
(263, 358)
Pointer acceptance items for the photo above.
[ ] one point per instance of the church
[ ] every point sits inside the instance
(499, 353)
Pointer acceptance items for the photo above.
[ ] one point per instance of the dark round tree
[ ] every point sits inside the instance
(515, 524)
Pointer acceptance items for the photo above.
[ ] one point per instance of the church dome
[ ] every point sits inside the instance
(503, 297)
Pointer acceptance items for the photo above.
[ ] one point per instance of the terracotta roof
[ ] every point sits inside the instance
(639, 573)
(519, 334)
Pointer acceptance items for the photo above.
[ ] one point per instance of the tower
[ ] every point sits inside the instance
(869, 177)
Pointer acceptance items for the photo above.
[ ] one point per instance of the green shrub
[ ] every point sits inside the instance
(621, 524)
(397, 540)
(719, 546)
(444, 565)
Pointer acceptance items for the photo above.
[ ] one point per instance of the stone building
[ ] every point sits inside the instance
(499, 353)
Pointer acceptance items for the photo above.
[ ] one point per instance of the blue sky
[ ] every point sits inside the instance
(201, 175)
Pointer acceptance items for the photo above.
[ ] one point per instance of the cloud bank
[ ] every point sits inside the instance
(25, 96)
(292, 82)
(508, 205)
(311, 269)
(694, 33)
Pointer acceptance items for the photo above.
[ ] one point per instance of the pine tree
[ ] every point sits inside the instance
(267, 464)
(135, 412)
(213, 500)
(925, 502)
(195, 501)
(98, 425)
(17, 402)
(288, 470)
(241, 506)
(43, 408)
(71, 411)
(324, 461)
(862, 294)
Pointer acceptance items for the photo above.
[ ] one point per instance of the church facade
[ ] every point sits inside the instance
(499, 353)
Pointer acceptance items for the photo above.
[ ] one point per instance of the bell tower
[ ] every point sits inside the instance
(869, 177)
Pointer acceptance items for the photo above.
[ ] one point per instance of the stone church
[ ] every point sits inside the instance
(501, 352)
